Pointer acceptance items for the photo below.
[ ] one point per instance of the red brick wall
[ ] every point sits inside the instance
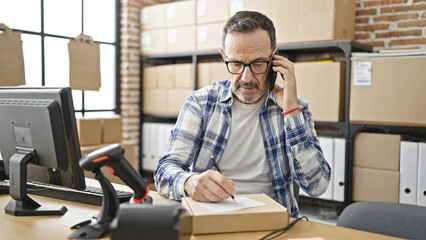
(396, 24)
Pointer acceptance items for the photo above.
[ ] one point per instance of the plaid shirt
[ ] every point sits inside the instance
(202, 129)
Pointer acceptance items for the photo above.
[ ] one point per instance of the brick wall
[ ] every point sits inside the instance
(396, 24)
(130, 74)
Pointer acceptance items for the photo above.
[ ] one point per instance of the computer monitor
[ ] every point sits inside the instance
(39, 142)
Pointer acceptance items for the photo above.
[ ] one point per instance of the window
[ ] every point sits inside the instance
(47, 26)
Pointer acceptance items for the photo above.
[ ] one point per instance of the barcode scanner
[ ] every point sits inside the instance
(112, 157)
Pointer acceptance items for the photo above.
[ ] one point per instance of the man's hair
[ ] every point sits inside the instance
(249, 21)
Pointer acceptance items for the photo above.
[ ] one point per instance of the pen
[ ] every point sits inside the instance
(218, 169)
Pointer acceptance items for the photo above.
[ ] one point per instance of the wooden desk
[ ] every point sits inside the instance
(58, 227)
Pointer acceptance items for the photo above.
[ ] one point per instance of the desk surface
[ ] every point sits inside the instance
(58, 227)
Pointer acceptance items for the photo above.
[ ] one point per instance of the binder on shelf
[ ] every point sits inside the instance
(338, 172)
(408, 172)
(421, 175)
(327, 146)
(148, 141)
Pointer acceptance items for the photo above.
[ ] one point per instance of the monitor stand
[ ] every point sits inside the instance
(21, 204)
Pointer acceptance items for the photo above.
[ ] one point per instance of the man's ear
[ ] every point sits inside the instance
(222, 54)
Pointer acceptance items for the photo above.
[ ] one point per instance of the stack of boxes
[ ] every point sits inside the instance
(166, 88)
(95, 133)
(186, 26)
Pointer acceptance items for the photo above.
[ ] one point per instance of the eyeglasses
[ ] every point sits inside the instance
(256, 67)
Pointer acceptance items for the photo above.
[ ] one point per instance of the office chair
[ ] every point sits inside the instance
(393, 219)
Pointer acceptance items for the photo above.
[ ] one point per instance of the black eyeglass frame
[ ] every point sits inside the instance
(249, 65)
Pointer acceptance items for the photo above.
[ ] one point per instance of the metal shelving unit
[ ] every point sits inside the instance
(290, 50)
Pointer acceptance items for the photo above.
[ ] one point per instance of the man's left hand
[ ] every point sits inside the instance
(287, 97)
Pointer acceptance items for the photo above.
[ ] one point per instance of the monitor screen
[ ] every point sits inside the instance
(39, 124)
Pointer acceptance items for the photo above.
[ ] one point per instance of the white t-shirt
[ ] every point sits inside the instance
(244, 158)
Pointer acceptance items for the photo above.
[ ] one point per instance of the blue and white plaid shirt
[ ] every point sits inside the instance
(202, 129)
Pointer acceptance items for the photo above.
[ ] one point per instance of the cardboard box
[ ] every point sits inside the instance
(392, 93)
(153, 41)
(181, 39)
(375, 185)
(271, 216)
(203, 74)
(89, 131)
(184, 75)
(210, 11)
(209, 36)
(176, 99)
(130, 154)
(307, 20)
(150, 79)
(155, 101)
(153, 17)
(218, 72)
(322, 84)
(378, 151)
(112, 130)
(166, 76)
(266, 7)
(181, 13)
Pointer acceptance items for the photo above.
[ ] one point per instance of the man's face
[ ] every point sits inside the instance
(248, 87)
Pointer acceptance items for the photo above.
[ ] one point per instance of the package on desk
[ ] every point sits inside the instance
(270, 216)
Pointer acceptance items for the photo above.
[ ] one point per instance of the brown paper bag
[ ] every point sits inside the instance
(12, 72)
(85, 73)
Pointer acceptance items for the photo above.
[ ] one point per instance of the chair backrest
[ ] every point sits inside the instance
(393, 219)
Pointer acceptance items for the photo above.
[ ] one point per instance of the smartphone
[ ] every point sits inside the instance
(272, 76)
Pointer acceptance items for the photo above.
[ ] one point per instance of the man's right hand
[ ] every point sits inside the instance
(209, 186)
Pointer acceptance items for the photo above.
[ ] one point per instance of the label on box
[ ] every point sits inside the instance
(171, 12)
(172, 36)
(144, 16)
(362, 73)
(203, 33)
(201, 7)
(145, 41)
(236, 6)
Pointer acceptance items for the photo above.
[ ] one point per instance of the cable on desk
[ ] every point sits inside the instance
(281, 231)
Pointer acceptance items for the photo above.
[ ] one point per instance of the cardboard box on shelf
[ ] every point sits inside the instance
(305, 20)
(166, 76)
(375, 185)
(153, 41)
(176, 99)
(377, 150)
(270, 216)
(203, 74)
(89, 131)
(218, 72)
(181, 39)
(322, 85)
(209, 36)
(150, 79)
(155, 101)
(390, 90)
(153, 17)
(266, 7)
(112, 130)
(181, 13)
(210, 11)
(184, 75)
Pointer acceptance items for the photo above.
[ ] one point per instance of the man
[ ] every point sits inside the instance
(263, 141)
